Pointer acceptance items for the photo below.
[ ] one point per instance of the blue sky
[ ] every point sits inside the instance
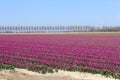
(60, 12)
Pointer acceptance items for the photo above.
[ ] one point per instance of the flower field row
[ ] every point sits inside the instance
(46, 53)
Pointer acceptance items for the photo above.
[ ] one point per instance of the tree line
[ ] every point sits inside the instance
(27, 29)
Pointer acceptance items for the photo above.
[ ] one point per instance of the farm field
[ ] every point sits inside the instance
(48, 53)
(65, 33)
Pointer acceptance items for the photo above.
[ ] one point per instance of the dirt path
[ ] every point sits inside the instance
(22, 74)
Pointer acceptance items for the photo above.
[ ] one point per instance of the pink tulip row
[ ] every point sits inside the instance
(82, 52)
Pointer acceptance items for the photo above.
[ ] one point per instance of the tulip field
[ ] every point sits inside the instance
(94, 53)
